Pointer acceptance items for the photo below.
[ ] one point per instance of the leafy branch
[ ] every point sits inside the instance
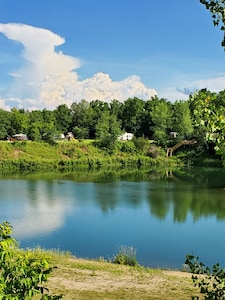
(217, 9)
(210, 282)
(21, 275)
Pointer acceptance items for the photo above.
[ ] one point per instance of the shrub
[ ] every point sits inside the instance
(21, 275)
(128, 147)
(154, 151)
(126, 256)
(210, 282)
(141, 144)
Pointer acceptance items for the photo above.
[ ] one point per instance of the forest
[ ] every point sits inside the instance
(201, 117)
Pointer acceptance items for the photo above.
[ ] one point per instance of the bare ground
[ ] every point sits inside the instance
(84, 279)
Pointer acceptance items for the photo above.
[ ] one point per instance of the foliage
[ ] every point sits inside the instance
(153, 119)
(141, 144)
(128, 147)
(161, 116)
(97, 120)
(71, 155)
(209, 119)
(107, 131)
(126, 256)
(21, 275)
(63, 118)
(210, 282)
(19, 121)
(5, 123)
(216, 8)
(80, 132)
(133, 112)
(154, 151)
(181, 119)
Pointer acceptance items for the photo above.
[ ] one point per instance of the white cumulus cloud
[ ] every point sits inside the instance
(48, 78)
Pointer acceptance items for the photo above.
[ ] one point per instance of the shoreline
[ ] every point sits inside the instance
(90, 279)
(84, 279)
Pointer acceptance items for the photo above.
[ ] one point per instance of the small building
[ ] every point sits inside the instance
(69, 136)
(59, 136)
(173, 134)
(19, 137)
(126, 137)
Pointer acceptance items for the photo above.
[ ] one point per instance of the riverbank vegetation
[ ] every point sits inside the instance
(75, 155)
(155, 126)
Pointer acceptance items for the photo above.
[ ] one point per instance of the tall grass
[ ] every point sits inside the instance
(126, 256)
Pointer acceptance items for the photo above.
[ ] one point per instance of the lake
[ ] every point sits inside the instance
(163, 215)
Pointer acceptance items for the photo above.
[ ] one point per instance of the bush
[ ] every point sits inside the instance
(126, 256)
(154, 151)
(128, 147)
(141, 144)
(210, 282)
(21, 275)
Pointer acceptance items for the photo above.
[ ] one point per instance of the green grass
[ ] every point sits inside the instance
(73, 155)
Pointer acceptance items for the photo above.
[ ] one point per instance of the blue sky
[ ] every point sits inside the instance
(54, 52)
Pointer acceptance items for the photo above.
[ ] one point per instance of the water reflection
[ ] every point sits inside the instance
(184, 198)
(91, 215)
(42, 205)
(106, 195)
(34, 207)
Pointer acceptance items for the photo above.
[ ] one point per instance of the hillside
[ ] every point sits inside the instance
(29, 155)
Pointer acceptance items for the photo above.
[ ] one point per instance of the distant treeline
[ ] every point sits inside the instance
(202, 117)
(153, 119)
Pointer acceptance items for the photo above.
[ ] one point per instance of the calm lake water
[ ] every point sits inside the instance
(162, 215)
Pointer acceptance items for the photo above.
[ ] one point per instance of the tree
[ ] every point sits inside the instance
(5, 124)
(209, 119)
(48, 130)
(99, 106)
(48, 116)
(63, 118)
(95, 111)
(116, 108)
(147, 123)
(78, 112)
(36, 122)
(107, 130)
(181, 119)
(217, 9)
(81, 118)
(132, 115)
(19, 121)
(34, 132)
(161, 116)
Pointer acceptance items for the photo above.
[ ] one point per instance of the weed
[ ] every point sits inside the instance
(126, 256)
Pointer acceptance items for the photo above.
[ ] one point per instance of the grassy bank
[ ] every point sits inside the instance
(88, 279)
(29, 155)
